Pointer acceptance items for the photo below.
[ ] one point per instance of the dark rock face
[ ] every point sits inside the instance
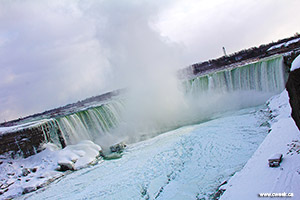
(28, 141)
(24, 142)
(293, 88)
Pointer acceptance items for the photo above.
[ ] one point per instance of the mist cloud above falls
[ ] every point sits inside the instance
(142, 60)
(134, 49)
(54, 53)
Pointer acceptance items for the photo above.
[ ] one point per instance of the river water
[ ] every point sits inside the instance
(186, 163)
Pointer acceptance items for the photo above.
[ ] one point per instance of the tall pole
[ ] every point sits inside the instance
(224, 51)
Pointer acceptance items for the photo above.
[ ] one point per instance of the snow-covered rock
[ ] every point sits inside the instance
(24, 175)
(78, 156)
(118, 147)
(296, 63)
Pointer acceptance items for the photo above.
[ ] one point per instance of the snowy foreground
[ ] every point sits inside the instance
(257, 177)
(187, 163)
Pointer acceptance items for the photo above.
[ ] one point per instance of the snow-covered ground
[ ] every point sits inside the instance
(257, 177)
(19, 176)
(286, 44)
(187, 163)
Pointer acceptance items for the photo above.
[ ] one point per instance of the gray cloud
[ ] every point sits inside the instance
(49, 57)
(204, 27)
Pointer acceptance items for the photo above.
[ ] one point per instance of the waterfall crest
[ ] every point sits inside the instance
(228, 89)
(266, 75)
(91, 123)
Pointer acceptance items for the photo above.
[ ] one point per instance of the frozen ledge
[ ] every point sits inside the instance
(257, 177)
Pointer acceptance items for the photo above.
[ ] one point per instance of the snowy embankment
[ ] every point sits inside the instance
(25, 175)
(257, 177)
(186, 163)
(285, 44)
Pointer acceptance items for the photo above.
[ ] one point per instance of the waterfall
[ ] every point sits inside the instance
(205, 96)
(228, 89)
(266, 75)
(52, 132)
(91, 123)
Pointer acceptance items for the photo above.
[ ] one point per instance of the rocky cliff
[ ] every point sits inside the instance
(293, 88)
(28, 140)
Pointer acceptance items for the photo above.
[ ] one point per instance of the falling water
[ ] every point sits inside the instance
(211, 93)
(91, 123)
(266, 75)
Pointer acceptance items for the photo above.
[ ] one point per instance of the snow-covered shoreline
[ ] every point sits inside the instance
(24, 175)
(257, 177)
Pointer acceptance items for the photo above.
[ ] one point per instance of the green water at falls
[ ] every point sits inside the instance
(266, 75)
(206, 95)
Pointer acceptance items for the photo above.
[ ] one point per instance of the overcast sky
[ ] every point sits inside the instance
(57, 52)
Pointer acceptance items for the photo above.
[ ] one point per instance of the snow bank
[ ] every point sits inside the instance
(296, 63)
(22, 126)
(257, 177)
(286, 44)
(291, 42)
(79, 155)
(276, 46)
(19, 176)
